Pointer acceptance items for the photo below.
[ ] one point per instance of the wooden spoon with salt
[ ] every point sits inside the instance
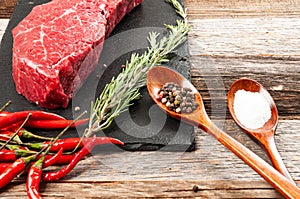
(159, 75)
(265, 132)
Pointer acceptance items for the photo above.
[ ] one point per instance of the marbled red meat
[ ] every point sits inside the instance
(58, 45)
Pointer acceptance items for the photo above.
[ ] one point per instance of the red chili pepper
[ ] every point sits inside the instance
(7, 156)
(36, 114)
(53, 159)
(70, 143)
(54, 124)
(6, 133)
(4, 113)
(57, 159)
(4, 136)
(12, 155)
(56, 175)
(12, 171)
(34, 179)
(63, 160)
(4, 165)
(12, 128)
(9, 119)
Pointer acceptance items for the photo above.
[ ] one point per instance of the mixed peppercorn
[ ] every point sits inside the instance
(177, 99)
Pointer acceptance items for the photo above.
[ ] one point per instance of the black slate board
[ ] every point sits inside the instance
(144, 126)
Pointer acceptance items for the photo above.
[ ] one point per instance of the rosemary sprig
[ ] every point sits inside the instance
(118, 95)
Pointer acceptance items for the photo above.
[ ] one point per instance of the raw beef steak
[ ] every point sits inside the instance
(58, 45)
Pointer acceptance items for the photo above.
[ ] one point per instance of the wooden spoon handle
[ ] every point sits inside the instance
(271, 175)
(271, 150)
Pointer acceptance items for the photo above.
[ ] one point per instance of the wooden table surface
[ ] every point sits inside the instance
(229, 40)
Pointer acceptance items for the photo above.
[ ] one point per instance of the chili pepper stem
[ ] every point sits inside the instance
(5, 105)
(10, 146)
(15, 143)
(17, 139)
(23, 153)
(81, 139)
(39, 162)
(27, 134)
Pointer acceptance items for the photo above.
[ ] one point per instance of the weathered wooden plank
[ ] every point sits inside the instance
(254, 38)
(150, 189)
(267, 50)
(242, 9)
(7, 8)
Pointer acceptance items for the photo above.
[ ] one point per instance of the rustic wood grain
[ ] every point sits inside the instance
(7, 8)
(150, 189)
(242, 9)
(229, 39)
(251, 38)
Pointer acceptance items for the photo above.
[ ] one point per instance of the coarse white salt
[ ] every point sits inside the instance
(251, 109)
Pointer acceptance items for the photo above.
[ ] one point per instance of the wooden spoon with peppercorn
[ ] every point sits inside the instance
(158, 76)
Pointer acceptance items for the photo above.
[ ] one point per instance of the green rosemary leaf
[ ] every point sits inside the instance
(118, 95)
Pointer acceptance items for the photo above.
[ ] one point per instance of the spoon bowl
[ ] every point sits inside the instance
(253, 86)
(159, 75)
(264, 134)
